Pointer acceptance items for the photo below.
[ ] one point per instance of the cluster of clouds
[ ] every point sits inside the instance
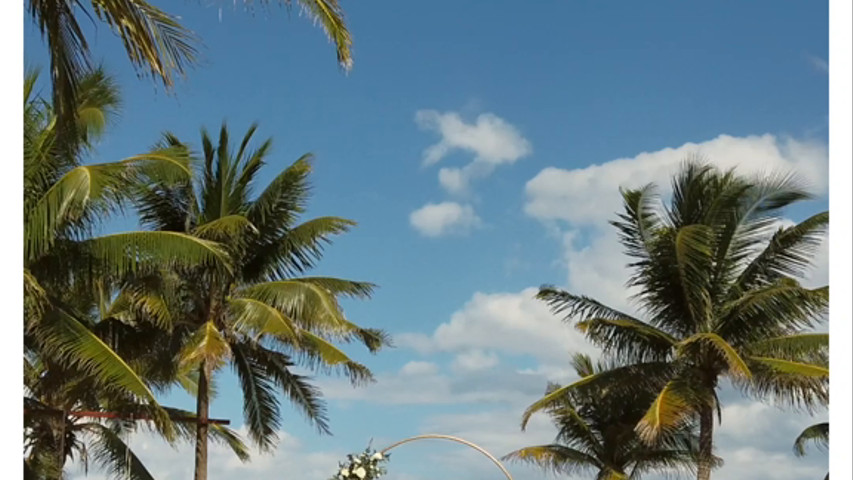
(165, 462)
(489, 141)
(575, 205)
(474, 373)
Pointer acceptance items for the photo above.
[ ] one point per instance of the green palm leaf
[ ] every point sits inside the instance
(206, 346)
(322, 354)
(555, 458)
(793, 368)
(297, 388)
(129, 252)
(114, 455)
(260, 405)
(670, 410)
(638, 376)
(254, 318)
(791, 346)
(817, 433)
(311, 306)
(736, 365)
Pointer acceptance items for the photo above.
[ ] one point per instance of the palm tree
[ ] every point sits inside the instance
(818, 434)
(596, 433)
(717, 285)
(155, 41)
(258, 315)
(63, 263)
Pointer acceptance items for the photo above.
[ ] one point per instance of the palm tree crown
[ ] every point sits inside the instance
(596, 433)
(155, 42)
(716, 277)
(257, 315)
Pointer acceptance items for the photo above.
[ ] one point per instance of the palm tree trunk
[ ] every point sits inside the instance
(706, 442)
(202, 412)
(61, 447)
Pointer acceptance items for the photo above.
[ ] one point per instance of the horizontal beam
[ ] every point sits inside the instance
(92, 414)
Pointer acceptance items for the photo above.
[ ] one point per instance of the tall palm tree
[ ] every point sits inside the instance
(259, 316)
(718, 290)
(68, 362)
(156, 43)
(818, 434)
(596, 434)
(63, 204)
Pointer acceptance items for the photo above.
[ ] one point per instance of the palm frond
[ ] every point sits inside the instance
(311, 306)
(788, 254)
(798, 345)
(306, 397)
(693, 252)
(628, 338)
(772, 310)
(228, 229)
(321, 354)
(793, 368)
(637, 225)
(153, 39)
(129, 252)
(817, 433)
(69, 56)
(295, 250)
(636, 377)
(206, 345)
(70, 341)
(672, 409)
(735, 365)
(114, 455)
(261, 410)
(797, 385)
(254, 318)
(555, 458)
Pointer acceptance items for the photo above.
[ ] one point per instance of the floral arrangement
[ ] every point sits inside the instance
(364, 466)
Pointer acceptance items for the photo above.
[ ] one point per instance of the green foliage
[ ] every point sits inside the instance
(596, 429)
(718, 291)
(258, 315)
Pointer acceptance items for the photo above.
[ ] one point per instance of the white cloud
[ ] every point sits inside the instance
(491, 140)
(415, 368)
(498, 432)
(578, 203)
(475, 360)
(755, 441)
(506, 323)
(167, 463)
(437, 219)
(818, 63)
(454, 180)
(589, 196)
(422, 383)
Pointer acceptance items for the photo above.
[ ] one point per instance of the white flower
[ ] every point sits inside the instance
(377, 456)
(360, 472)
(356, 460)
(345, 472)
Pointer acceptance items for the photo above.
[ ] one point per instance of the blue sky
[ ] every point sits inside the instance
(490, 189)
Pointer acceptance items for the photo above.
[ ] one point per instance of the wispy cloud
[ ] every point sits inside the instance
(438, 219)
(490, 139)
(818, 63)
